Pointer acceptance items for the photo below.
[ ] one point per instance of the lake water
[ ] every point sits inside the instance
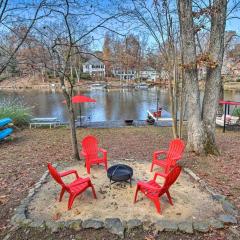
(111, 105)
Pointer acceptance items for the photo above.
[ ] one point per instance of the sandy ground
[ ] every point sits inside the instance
(190, 202)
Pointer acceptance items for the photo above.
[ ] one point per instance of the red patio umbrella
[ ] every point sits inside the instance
(81, 99)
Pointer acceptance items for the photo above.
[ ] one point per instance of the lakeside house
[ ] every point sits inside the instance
(122, 74)
(231, 69)
(94, 67)
(236, 69)
(147, 74)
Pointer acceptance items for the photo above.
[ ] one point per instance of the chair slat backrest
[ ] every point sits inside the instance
(169, 163)
(90, 146)
(170, 179)
(54, 173)
(176, 148)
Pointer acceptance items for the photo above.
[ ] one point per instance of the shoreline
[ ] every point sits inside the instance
(229, 86)
(81, 88)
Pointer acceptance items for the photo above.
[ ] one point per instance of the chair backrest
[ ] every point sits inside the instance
(90, 146)
(54, 173)
(176, 148)
(170, 179)
(169, 164)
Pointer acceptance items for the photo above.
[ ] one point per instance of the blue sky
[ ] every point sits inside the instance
(108, 7)
(232, 24)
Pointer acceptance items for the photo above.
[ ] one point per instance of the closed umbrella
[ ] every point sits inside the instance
(81, 99)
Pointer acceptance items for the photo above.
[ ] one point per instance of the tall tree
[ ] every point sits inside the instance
(201, 122)
(13, 16)
(195, 129)
(107, 53)
(213, 77)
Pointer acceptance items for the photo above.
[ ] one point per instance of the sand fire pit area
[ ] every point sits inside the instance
(195, 208)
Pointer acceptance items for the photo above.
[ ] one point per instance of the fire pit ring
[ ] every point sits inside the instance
(120, 173)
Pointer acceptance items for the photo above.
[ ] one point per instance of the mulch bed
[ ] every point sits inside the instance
(24, 159)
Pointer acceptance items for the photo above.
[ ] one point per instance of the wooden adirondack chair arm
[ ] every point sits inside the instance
(63, 174)
(103, 151)
(159, 174)
(84, 180)
(157, 153)
(148, 186)
(176, 158)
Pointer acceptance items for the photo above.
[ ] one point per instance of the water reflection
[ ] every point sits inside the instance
(112, 105)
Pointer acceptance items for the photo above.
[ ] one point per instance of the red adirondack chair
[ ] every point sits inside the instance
(154, 191)
(174, 153)
(90, 151)
(74, 188)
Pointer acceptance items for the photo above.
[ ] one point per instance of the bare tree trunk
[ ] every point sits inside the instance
(221, 97)
(42, 74)
(76, 71)
(182, 98)
(181, 109)
(71, 68)
(173, 107)
(213, 77)
(33, 76)
(73, 133)
(54, 70)
(195, 127)
(176, 90)
(68, 98)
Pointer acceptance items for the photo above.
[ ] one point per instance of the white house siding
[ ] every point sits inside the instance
(149, 74)
(124, 75)
(94, 67)
(132, 74)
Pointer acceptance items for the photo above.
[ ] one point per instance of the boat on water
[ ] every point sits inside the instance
(127, 86)
(98, 86)
(229, 120)
(142, 86)
(158, 116)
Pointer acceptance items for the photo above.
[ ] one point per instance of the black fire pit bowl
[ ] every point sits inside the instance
(120, 173)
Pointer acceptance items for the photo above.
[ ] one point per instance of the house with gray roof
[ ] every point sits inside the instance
(94, 67)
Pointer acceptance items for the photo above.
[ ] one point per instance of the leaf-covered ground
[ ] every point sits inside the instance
(221, 172)
(24, 159)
